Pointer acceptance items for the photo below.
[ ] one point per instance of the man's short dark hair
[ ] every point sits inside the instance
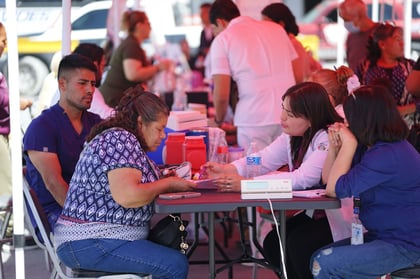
(75, 61)
(205, 5)
(223, 9)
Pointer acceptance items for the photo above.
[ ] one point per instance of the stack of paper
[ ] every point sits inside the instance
(184, 120)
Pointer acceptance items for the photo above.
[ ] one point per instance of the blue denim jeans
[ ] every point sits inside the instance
(139, 257)
(369, 260)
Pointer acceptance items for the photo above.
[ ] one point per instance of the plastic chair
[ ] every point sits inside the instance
(6, 211)
(33, 208)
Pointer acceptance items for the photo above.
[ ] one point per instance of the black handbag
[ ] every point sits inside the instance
(170, 231)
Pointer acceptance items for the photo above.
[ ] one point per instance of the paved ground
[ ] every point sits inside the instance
(35, 265)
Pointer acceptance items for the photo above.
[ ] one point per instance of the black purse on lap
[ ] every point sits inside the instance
(171, 232)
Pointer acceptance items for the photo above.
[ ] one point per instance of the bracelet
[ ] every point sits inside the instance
(218, 123)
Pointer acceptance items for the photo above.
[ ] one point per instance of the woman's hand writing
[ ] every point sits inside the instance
(211, 170)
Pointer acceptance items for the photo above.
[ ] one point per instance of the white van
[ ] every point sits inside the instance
(88, 24)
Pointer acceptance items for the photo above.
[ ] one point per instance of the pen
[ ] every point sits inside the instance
(203, 172)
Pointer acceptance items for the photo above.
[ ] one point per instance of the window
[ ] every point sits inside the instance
(416, 10)
(92, 20)
(187, 12)
(387, 12)
(46, 3)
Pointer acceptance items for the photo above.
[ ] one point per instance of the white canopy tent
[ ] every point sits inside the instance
(16, 135)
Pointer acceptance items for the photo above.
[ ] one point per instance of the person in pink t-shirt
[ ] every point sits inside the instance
(259, 57)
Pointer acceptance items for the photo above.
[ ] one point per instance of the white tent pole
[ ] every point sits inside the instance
(382, 15)
(393, 11)
(66, 34)
(16, 139)
(407, 27)
(375, 10)
(116, 21)
(341, 41)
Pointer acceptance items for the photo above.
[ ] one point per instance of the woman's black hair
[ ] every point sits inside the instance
(280, 13)
(381, 32)
(373, 116)
(134, 103)
(310, 101)
(223, 9)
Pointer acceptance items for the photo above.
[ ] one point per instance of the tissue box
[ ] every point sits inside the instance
(183, 120)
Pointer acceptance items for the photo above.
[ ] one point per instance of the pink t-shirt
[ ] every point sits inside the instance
(258, 56)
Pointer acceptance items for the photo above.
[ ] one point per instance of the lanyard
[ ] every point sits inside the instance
(356, 205)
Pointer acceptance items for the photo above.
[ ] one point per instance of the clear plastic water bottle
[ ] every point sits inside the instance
(253, 161)
(180, 97)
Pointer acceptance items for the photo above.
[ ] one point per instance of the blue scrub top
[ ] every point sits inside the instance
(53, 132)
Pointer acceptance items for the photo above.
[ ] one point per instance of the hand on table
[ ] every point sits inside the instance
(229, 183)
(178, 184)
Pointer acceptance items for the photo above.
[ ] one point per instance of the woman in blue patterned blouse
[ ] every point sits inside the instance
(105, 220)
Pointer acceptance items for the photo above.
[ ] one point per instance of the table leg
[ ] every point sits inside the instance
(282, 218)
(212, 263)
(196, 240)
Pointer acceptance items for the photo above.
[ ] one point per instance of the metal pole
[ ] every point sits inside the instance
(375, 10)
(66, 31)
(407, 27)
(16, 139)
(341, 41)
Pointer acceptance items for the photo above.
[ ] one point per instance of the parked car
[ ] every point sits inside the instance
(37, 49)
(88, 24)
(322, 22)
